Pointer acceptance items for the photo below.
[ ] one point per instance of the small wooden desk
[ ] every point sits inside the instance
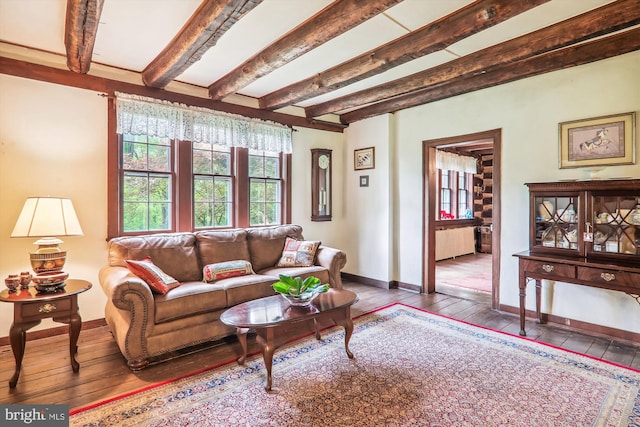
(30, 307)
(612, 275)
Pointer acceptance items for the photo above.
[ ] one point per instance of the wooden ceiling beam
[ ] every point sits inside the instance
(203, 30)
(431, 38)
(332, 21)
(29, 70)
(571, 56)
(607, 19)
(81, 27)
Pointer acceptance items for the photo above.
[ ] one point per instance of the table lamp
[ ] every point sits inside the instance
(47, 217)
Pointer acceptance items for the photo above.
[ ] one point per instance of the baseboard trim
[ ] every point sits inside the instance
(59, 330)
(407, 286)
(367, 281)
(576, 325)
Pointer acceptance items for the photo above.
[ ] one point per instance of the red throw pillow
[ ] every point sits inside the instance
(298, 253)
(159, 281)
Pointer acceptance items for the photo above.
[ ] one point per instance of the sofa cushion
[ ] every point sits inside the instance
(174, 253)
(266, 244)
(246, 288)
(222, 245)
(224, 270)
(189, 299)
(159, 281)
(298, 253)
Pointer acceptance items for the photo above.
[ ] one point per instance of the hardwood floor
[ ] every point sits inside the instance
(450, 272)
(47, 378)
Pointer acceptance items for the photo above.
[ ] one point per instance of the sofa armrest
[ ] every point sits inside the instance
(132, 295)
(333, 260)
(125, 289)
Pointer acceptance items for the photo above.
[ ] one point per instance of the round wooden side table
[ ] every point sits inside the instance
(31, 306)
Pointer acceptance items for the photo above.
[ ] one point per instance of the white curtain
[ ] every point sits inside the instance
(140, 115)
(455, 162)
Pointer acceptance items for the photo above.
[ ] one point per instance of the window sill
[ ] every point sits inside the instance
(457, 223)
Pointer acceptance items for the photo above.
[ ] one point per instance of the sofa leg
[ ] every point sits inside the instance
(137, 364)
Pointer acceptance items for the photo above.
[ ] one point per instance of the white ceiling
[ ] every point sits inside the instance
(132, 32)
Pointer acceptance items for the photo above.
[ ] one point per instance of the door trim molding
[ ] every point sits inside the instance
(429, 187)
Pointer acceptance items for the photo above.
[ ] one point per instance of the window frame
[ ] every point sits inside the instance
(182, 215)
(454, 191)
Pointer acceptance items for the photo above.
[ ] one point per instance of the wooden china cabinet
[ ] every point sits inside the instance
(582, 232)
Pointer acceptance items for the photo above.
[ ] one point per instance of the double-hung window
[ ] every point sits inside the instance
(456, 201)
(265, 189)
(445, 194)
(212, 186)
(455, 172)
(147, 183)
(172, 169)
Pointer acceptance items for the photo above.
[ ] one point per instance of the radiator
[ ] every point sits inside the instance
(453, 242)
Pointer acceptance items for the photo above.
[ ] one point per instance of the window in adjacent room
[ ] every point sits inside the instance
(445, 195)
(456, 201)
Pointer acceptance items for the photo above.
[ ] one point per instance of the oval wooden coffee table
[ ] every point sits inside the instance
(271, 317)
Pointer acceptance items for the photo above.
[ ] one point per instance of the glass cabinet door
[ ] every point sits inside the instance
(556, 222)
(616, 224)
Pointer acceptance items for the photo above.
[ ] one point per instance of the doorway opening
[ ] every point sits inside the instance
(462, 242)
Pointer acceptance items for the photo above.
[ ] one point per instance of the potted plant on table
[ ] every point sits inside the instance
(298, 291)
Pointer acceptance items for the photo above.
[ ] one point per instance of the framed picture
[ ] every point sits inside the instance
(364, 181)
(364, 158)
(600, 141)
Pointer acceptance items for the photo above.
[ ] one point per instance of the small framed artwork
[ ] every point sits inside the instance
(364, 181)
(599, 141)
(364, 158)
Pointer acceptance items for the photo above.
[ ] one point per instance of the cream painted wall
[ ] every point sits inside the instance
(53, 141)
(329, 232)
(528, 112)
(368, 223)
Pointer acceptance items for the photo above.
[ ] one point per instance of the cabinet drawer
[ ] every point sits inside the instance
(46, 309)
(550, 268)
(609, 277)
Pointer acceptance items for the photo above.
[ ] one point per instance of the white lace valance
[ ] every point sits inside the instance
(455, 162)
(139, 115)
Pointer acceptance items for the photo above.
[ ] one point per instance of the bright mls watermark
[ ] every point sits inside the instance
(34, 415)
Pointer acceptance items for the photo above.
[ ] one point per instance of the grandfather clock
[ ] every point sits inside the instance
(321, 184)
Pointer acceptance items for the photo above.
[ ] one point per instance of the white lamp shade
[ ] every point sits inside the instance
(47, 216)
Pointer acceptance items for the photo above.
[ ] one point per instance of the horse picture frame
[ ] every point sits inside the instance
(599, 141)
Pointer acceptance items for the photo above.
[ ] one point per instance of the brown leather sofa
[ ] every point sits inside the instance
(149, 327)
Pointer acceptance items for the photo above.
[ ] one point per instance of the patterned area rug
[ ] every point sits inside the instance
(411, 368)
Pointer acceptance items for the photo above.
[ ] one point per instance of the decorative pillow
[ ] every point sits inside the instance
(223, 270)
(298, 253)
(159, 281)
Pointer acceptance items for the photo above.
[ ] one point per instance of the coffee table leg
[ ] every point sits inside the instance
(344, 320)
(348, 330)
(267, 354)
(242, 337)
(266, 339)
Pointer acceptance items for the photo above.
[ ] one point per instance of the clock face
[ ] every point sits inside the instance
(323, 161)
